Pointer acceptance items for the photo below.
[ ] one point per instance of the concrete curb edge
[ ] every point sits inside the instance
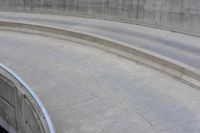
(179, 70)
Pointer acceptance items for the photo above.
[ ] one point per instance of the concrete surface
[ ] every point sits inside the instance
(21, 111)
(175, 15)
(182, 48)
(88, 90)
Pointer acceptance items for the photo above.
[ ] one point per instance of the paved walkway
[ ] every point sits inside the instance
(87, 90)
(182, 48)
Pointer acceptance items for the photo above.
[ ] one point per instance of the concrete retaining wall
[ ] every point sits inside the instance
(175, 15)
(19, 111)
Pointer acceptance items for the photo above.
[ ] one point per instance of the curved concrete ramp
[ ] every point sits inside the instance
(87, 90)
(179, 47)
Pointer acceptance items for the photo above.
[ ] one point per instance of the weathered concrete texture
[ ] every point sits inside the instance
(179, 47)
(87, 90)
(176, 15)
(19, 113)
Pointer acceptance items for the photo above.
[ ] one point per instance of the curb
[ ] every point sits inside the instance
(183, 72)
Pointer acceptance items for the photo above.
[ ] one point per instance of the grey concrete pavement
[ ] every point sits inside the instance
(87, 90)
(182, 48)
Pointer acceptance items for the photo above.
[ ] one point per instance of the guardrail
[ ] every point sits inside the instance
(21, 110)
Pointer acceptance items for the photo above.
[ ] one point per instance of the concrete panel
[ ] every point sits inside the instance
(31, 118)
(7, 92)
(7, 112)
(20, 111)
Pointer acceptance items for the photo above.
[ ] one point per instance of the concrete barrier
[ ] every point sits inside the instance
(21, 111)
(179, 70)
(175, 15)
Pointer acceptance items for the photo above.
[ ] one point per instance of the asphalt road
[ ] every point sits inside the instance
(87, 90)
(182, 48)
